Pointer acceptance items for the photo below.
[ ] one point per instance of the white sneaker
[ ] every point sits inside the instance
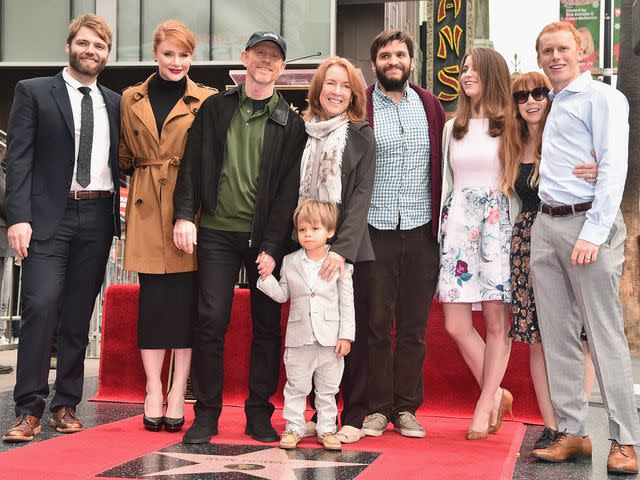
(4, 340)
(349, 434)
(310, 430)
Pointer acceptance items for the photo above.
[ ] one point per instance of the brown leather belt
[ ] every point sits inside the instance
(89, 194)
(564, 210)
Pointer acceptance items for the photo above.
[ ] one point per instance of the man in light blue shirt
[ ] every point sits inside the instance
(577, 251)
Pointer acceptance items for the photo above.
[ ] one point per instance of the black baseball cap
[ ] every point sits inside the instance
(259, 37)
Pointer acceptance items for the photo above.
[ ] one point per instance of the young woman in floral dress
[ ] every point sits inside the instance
(475, 232)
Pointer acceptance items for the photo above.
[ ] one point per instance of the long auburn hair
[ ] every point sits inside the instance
(516, 135)
(494, 77)
(357, 110)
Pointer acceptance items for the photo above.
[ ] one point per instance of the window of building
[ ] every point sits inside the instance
(35, 30)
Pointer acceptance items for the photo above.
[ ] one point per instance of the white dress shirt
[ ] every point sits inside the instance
(586, 115)
(100, 171)
(311, 271)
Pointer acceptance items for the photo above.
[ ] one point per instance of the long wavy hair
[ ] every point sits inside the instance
(516, 135)
(494, 77)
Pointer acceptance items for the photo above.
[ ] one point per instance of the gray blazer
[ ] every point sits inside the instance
(327, 310)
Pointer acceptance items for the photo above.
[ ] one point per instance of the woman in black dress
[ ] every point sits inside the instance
(156, 116)
(521, 153)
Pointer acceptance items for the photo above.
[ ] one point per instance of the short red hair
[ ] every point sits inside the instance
(559, 27)
(176, 32)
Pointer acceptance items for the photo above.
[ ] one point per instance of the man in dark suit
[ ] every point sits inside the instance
(62, 210)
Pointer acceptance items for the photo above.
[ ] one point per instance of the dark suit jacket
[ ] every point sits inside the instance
(358, 171)
(41, 154)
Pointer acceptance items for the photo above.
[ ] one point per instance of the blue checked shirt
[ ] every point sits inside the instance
(402, 186)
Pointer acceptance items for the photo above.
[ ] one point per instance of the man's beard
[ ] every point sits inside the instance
(76, 64)
(393, 85)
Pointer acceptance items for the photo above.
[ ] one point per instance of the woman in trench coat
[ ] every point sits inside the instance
(156, 116)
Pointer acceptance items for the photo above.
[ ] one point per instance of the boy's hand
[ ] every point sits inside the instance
(343, 347)
(333, 263)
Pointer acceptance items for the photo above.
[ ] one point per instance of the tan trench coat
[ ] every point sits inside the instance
(149, 244)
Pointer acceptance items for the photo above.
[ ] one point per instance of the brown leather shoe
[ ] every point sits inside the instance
(622, 459)
(566, 447)
(23, 429)
(64, 420)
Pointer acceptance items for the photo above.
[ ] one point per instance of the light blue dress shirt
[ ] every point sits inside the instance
(401, 188)
(586, 115)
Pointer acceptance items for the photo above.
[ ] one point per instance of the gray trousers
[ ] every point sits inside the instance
(594, 289)
(322, 365)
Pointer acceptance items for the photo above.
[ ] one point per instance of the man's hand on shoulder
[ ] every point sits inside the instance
(584, 253)
(19, 236)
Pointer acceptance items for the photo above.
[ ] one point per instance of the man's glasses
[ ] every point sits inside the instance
(521, 96)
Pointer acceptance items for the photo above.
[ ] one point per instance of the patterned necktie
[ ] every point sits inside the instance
(83, 171)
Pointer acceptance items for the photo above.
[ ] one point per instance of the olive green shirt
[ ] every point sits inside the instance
(240, 168)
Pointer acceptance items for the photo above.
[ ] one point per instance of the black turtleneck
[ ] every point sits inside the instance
(163, 95)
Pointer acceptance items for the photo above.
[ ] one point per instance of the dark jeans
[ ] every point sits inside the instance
(400, 285)
(61, 278)
(220, 255)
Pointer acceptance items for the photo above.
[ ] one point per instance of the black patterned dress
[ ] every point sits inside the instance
(523, 305)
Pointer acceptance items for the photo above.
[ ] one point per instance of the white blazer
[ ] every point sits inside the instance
(326, 310)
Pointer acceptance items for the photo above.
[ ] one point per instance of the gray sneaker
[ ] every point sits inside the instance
(375, 424)
(408, 425)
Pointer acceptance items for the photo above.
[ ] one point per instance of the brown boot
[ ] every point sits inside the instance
(565, 447)
(622, 459)
(64, 420)
(23, 429)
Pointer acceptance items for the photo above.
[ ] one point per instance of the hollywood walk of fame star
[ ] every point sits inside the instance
(235, 462)
(275, 462)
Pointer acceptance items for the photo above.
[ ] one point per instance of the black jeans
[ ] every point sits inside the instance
(220, 255)
(61, 278)
(400, 285)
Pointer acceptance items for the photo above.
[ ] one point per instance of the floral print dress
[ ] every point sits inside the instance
(475, 232)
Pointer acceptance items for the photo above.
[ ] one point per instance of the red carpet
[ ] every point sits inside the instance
(436, 457)
(449, 386)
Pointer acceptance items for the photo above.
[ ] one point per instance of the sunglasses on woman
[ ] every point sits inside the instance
(522, 96)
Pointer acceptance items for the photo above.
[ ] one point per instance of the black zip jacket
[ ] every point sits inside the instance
(278, 183)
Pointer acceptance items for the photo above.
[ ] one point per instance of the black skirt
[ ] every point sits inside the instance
(167, 310)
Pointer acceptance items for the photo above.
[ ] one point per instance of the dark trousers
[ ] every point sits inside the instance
(60, 281)
(354, 390)
(220, 255)
(400, 285)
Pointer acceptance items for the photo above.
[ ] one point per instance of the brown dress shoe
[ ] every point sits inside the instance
(64, 420)
(23, 429)
(565, 447)
(622, 459)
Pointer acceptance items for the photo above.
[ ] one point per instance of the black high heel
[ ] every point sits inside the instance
(173, 424)
(153, 424)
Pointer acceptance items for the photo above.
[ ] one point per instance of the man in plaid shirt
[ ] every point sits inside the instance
(400, 284)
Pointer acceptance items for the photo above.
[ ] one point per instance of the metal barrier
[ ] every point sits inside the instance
(11, 273)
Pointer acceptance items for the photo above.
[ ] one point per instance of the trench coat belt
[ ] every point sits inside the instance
(164, 165)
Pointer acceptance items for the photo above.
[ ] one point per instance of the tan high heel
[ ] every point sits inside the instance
(506, 405)
(474, 435)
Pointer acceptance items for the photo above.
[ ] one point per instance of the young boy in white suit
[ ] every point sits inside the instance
(320, 328)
